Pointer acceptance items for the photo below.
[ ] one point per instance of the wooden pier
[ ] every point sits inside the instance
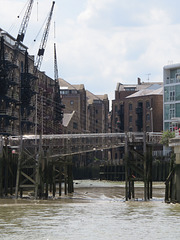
(40, 164)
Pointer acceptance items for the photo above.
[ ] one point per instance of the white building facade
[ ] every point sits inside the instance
(171, 96)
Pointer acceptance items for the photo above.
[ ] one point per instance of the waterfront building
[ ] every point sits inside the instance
(136, 108)
(134, 105)
(97, 112)
(92, 110)
(144, 110)
(171, 79)
(74, 99)
(29, 99)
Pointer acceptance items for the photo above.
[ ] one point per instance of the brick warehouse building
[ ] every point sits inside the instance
(144, 111)
(136, 108)
(130, 114)
(26, 98)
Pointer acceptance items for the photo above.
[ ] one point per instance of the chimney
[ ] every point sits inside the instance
(139, 81)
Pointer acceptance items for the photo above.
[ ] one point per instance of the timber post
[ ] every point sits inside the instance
(60, 178)
(145, 166)
(126, 166)
(1, 167)
(18, 168)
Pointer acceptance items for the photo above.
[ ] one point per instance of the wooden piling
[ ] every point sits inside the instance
(1, 173)
(60, 178)
(145, 167)
(65, 178)
(70, 179)
(18, 169)
(54, 179)
(126, 167)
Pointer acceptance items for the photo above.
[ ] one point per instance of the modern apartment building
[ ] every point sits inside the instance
(171, 106)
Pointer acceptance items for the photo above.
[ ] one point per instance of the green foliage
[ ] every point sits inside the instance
(166, 136)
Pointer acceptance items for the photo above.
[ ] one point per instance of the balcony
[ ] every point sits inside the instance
(14, 81)
(6, 130)
(12, 95)
(5, 112)
(9, 113)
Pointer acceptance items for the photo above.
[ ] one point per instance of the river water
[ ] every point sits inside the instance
(96, 210)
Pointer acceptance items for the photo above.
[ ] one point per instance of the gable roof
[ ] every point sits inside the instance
(67, 118)
(147, 92)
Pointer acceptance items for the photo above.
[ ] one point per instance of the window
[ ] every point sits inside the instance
(64, 92)
(171, 111)
(177, 97)
(130, 119)
(130, 129)
(22, 65)
(147, 129)
(75, 125)
(177, 109)
(130, 107)
(172, 93)
(177, 77)
(147, 104)
(115, 108)
(148, 117)
(130, 88)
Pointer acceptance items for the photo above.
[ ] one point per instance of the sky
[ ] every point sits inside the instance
(101, 42)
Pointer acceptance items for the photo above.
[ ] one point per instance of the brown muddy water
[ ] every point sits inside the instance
(96, 210)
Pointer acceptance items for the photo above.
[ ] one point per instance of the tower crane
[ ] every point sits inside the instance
(58, 114)
(22, 30)
(55, 65)
(24, 24)
(44, 40)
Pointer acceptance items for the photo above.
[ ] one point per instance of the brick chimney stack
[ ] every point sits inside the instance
(139, 81)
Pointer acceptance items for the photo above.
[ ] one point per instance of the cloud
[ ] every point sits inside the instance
(102, 42)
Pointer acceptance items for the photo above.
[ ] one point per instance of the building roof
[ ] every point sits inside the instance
(91, 97)
(171, 66)
(139, 86)
(67, 118)
(103, 97)
(147, 92)
(65, 85)
(78, 86)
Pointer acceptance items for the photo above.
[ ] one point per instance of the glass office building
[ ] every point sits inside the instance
(171, 108)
